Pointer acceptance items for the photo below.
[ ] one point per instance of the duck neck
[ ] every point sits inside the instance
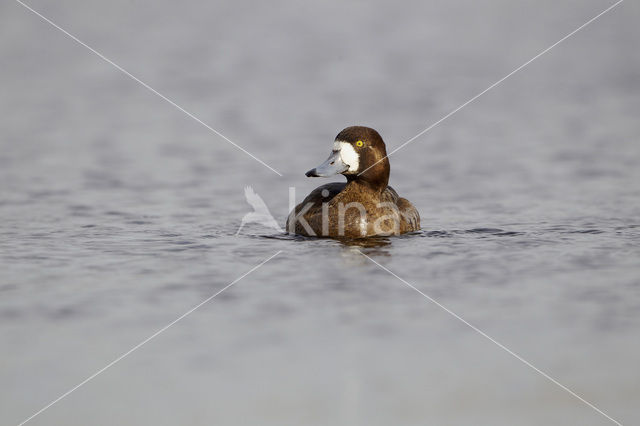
(375, 178)
(376, 185)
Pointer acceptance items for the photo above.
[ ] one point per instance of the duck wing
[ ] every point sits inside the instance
(409, 216)
(390, 195)
(410, 220)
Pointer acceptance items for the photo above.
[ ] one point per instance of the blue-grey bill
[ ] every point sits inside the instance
(333, 166)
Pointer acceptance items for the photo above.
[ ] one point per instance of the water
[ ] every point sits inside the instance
(119, 213)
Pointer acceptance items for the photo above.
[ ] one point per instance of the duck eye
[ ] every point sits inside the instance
(359, 143)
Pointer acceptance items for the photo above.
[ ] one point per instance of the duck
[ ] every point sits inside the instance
(363, 206)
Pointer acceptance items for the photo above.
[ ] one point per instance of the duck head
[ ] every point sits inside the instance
(358, 153)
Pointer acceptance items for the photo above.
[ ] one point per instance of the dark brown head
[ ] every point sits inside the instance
(358, 153)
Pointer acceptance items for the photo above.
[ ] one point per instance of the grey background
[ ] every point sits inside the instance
(118, 213)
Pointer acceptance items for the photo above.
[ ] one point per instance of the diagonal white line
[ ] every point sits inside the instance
(151, 89)
(495, 84)
(139, 345)
(500, 345)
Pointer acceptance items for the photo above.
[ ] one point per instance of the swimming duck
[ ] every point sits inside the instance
(365, 205)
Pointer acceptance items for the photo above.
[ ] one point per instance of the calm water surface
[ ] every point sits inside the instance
(118, 214)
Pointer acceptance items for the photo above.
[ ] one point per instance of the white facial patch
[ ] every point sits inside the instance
(348, 155)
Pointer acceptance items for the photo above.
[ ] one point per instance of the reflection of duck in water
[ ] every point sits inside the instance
(260, 213)
(363, 206)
